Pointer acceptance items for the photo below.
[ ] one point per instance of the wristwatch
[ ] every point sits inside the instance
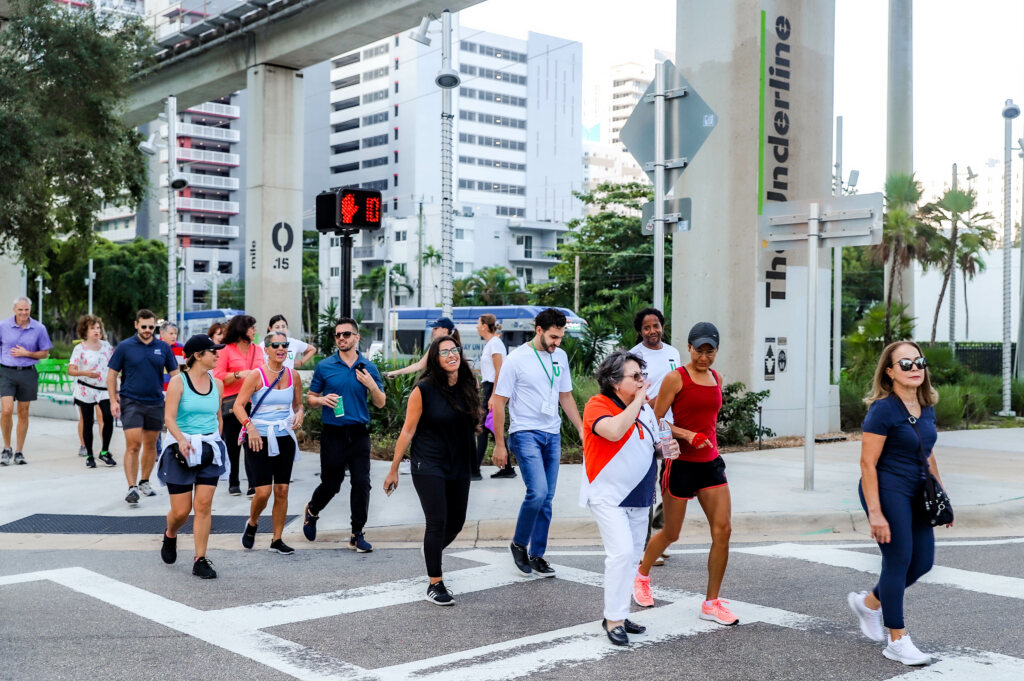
(236, 375)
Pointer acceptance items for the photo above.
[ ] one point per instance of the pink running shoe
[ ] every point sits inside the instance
(642, 591)
(716, 611)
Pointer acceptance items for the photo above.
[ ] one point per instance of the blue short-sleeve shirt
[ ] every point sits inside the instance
(332, 375)
(900, 466)
(142, 368)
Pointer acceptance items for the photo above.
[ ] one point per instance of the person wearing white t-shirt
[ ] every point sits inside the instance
(491, 358)
(299, 352)
(534, 380)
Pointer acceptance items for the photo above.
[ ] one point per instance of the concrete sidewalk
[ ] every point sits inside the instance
(983, 471)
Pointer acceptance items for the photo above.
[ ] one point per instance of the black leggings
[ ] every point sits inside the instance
(88, 412)
(444, 507)
(230, 436)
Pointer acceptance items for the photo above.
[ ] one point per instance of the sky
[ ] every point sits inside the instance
(967, 61)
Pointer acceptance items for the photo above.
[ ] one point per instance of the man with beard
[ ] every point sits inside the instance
(534, 381)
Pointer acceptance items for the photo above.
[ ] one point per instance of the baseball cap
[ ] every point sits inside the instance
(200, 342)
(443, 323)
(703, 333)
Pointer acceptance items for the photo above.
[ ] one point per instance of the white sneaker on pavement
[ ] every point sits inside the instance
(146, 489)
(904, 650)
(405, 467)
(870, 620)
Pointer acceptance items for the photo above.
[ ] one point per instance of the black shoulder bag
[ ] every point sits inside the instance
(934, 501)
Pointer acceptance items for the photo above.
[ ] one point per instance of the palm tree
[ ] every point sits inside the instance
(905, 237)
(954, 209)
(431, 258)
(372, 284)
(970, 262)
(496, 285)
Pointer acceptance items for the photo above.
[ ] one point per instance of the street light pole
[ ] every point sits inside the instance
(39, 292)
(89, 281)
(387, 291)
(172, 209)
(837, 266)
(1010, 111)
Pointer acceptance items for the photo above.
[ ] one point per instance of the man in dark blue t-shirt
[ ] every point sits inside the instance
(341, 383)
(141, 360)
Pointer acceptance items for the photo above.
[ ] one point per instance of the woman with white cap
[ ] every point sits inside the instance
(694, 393)
(194, 456)
(271, 448)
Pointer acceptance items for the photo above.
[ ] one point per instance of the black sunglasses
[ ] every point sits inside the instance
(278, 344)
(144, 327)
(907, 365)
(345, 334)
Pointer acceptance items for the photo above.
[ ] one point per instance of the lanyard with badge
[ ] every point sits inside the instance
(550, 406)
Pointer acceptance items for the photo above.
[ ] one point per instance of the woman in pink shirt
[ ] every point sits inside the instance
(239, 358)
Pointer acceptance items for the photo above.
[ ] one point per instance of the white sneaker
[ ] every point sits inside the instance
(145, 488)
(870, 620)
(906, 652)
(82, 451)
(405, 467)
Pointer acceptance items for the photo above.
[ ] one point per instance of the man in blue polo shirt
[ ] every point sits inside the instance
(340, 386)
(23, 342)
(141, 360)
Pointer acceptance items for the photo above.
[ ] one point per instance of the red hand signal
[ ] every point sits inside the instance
(348, 209)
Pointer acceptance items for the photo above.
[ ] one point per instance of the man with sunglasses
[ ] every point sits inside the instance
(141, 360)
(340, 387)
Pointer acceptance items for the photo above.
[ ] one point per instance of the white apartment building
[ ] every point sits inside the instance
(517, 154)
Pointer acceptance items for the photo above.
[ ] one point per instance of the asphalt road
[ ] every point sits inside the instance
(333, 614)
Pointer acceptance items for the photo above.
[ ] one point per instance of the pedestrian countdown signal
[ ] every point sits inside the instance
(348, 210)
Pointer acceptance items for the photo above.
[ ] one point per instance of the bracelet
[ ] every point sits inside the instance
(246, 423)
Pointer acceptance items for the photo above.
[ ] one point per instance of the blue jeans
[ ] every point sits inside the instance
(538, 454)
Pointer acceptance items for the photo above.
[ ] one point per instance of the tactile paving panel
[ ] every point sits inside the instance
(52, 523)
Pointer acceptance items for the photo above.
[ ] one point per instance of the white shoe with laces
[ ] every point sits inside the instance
(903, 650)
(870, 620)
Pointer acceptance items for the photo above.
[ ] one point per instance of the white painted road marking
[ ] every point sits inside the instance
(979, 582)
(971, 665)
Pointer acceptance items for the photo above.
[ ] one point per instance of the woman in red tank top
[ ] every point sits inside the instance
(694, 392)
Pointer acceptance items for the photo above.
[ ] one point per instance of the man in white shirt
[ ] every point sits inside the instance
(534, 380)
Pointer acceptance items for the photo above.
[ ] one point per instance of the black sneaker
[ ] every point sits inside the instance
(250, 493)
(521, 557)
(476, 477)
(541, 568)
(19, 458)
(133, 495)
(169, 550)
(358, 542)
(203, 568)
(278, 546)
(309, 524)
(249, 535)
(106, 458)
(234, 490)
(6, 456)
(505, 473)
(438, 594)
(90, 462)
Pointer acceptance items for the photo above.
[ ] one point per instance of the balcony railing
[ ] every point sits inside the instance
(533, 254)
(204, 131)
(207, 181)
(375, 252)
(188, 204)
(201, 229)
(203, 156)
(120, 234)
(216, 109)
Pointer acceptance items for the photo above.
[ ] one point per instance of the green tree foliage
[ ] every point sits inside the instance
(372, 283)
(865, 344)
(64, 151)
(615, 259)
(231, 295)
(129, 276)
(310, 279)
(494, 285)
(862, 285)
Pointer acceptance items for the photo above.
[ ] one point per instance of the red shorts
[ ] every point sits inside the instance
(683, 479)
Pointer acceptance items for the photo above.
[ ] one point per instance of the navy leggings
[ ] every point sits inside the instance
(908, 555)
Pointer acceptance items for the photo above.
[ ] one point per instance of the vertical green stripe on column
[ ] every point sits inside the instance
(760, 123)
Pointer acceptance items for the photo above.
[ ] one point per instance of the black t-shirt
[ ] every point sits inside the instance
(444, 444)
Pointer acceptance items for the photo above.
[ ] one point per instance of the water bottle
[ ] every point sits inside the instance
(665, 439)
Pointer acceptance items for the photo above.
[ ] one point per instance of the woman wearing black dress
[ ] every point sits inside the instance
(441, 420)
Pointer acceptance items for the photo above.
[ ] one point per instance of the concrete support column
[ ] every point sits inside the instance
(899, 144)
(273, 219)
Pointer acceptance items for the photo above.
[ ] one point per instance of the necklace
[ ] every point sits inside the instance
(278, 371)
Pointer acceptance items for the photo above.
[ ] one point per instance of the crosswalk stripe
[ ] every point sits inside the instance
(980, 582)
(971, 664)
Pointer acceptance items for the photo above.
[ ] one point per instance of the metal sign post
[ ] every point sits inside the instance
(834, 221)
(681, 121)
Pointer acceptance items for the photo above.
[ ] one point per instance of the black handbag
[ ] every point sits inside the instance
(933, 501)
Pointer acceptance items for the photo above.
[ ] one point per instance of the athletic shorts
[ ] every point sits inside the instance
(21, 384)
(271, 470)
(172, 488)
(683, 479)
(135, 414)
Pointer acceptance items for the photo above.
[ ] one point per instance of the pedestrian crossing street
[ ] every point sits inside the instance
(243, 629)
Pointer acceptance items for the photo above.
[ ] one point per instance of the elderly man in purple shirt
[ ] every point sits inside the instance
(23, 342)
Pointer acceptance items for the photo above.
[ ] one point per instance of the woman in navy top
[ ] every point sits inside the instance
(899, 423)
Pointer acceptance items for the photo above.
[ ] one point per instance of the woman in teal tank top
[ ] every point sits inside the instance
(194, 456)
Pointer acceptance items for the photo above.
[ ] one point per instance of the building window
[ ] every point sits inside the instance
(396, 63)
(200, 297)
(396, 179)
(395, 201)
(350, 124)
(460, 233)
(345, 168)
(373, 74)
(374, 141)
(396, 87)
(525, 274)
(396, 41)
(460, 267)
(509, 211)
(396, 156)
(375, 96)
(379, 185)
(346, 82)
(396, 110)
(225, 267)
(334, 242)
(200, 265)
(345, 147)
(396, 132)
(345, 60)
(375, 118)
(346, 104)
(374, 162)
(401, 235)
(375, 51)
(336, 271)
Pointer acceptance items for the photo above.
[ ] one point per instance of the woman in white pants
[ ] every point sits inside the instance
(620, 474)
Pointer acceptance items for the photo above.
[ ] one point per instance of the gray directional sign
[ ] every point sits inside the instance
(677, 212)
(688, 122)
(845, 221)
